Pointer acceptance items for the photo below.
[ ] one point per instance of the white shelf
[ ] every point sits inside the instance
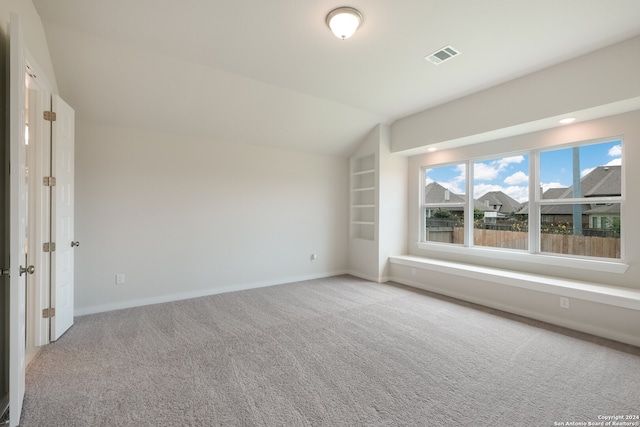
(363, 197)
(364, 172)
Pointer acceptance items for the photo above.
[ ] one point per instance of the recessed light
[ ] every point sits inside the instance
(568, 120)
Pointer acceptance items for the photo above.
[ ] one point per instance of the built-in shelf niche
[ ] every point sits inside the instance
(363, 197)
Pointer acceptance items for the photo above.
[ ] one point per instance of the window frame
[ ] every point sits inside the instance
(424, 206)
(532, 254)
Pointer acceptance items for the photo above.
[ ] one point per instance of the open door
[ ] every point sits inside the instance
(18, 198)
(39, 228)
(62, 261)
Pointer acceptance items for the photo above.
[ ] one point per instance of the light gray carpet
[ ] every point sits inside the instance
(332, 352)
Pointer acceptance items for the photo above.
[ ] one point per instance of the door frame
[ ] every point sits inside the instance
(17, 211)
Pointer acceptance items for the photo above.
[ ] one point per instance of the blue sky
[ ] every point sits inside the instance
(511, 174)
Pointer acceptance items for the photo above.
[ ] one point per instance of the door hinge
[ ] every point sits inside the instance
(50, 116)
(49, 181)
(4, 272)
(47, 313)
(49, 247)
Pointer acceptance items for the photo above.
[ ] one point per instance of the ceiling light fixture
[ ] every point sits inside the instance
(431, 149)
(344, 21)
(568, 120)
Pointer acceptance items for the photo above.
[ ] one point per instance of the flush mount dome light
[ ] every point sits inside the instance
(568, 120)
(344, 21)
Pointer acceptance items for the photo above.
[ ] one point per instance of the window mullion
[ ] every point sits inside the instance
(534, 202)
(468, 214)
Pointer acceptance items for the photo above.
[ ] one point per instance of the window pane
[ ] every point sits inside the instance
(444, 224)
(501, 192)
(445, 184)
(596, 234)
(584, 171)
(444, 200)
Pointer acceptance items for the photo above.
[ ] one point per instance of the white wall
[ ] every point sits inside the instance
(182, 216)
(604, 80)
(394, 203)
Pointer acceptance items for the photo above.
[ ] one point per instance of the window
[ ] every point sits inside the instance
(581, 200)
(444, 200)
(501, 195)
(575, 209)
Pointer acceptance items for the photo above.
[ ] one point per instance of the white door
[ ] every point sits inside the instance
(39, 166)
(17, 221)
(62, 222)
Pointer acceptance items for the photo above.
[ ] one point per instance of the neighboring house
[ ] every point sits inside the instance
(499, 208)
(435, 193)
(600, 182)
(496, 205)
(497, 201)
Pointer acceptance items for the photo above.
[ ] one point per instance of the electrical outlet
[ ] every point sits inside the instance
(564, 302)
(120, 279)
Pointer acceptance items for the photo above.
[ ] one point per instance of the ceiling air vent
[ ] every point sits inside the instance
(442, 55)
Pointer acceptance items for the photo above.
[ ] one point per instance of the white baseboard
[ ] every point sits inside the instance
(589, 329)
(81, 311)
(382, 279)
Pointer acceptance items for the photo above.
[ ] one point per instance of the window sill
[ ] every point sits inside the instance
(612, 295)
(599, 264)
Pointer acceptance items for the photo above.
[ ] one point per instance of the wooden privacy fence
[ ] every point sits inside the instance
(603, 247)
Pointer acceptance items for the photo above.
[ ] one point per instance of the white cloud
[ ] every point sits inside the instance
(615, 162)
(615, 151)
(521, 194)
(453, 186)
(490, 170)
(480, 190)
(546, 186)
(485, 172)
(503, 163)
(517, 178)
(585, 172)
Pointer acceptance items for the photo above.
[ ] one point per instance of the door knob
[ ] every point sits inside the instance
(30, 270)
(74, 244)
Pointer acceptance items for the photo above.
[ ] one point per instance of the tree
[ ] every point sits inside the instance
(442, 214)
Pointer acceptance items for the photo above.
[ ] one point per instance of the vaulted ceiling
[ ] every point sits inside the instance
(271, 72)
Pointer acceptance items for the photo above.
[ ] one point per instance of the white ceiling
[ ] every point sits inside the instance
(270, 72)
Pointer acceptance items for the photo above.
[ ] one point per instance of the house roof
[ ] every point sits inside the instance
(602, 181)
(607, 209)
(504, 203)
(271, 72)
(436, 193)
(555, 193)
